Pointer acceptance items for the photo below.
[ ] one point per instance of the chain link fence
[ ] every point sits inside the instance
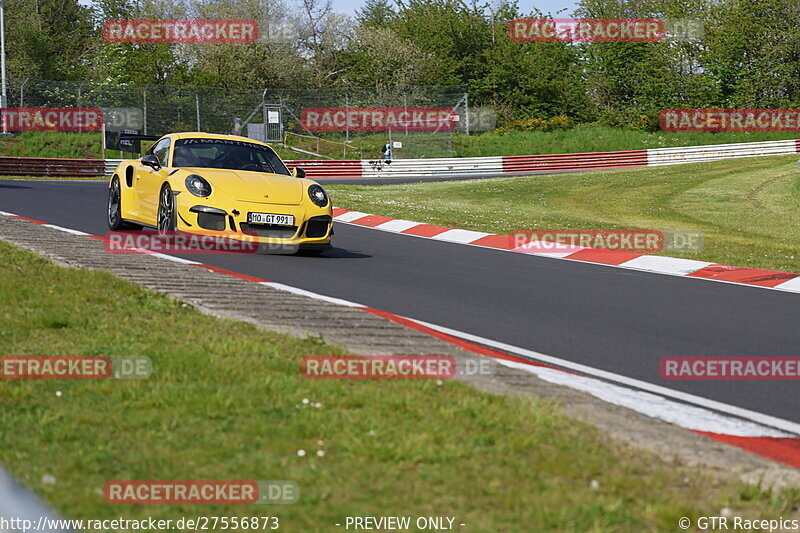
(271, 114)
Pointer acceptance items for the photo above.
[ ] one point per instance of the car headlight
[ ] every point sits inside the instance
(197, 185)
(318, 195)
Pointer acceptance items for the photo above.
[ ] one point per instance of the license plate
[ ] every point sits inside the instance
(270, 218)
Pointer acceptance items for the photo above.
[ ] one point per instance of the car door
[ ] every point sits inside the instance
(149, 180)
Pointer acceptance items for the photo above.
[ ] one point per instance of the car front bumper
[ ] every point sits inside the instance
(313, 225)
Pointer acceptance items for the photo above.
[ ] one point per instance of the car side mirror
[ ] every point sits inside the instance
(151, 160)
(298, 172)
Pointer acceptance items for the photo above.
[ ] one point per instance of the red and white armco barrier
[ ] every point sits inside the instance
(699, 154)
(522, 164)
(527, 164)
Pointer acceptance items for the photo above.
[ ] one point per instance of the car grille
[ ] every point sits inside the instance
(269, 230)
(212, 221)
(318, 226)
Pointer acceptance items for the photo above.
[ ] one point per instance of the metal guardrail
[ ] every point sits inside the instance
(416, 168)
(111, 164)
(697, 154)
(44, 167)
(567, 162)
(413, 168)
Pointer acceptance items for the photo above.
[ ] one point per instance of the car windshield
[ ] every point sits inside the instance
(227, 153)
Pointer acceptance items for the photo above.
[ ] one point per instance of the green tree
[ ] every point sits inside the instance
(376, 14)
(754, 53)
(626, 80)
(48, 39)
(380, 58)
(126, 63)
(457, 33)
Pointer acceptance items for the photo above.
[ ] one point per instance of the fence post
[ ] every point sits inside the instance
(197, 108)
(466, 112)
(144, 108)
(280, 116)
(264, 113)
(405, 107)
(80, 98)
(22, 92)
(346, 114)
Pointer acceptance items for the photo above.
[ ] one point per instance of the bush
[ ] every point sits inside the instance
(633, 120)
(560, 122)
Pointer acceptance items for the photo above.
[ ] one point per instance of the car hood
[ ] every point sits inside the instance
(255, 187)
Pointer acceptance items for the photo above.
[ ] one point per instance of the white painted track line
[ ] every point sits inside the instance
(303, 292)
(65, 230)
(683, 409)
(758, 418)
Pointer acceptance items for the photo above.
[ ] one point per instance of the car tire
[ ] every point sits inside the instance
(167, 214)
(114, 211)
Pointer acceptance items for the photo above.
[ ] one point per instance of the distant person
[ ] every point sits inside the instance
(387, 153)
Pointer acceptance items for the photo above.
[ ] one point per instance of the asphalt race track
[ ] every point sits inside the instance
(618, 320)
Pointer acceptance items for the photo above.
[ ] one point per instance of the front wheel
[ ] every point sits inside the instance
(166, 211)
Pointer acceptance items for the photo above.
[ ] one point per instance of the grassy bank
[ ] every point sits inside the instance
(79, 145)
(747, 209)
(593, 139)
(419, 145)
(575, 140)
(225, 402)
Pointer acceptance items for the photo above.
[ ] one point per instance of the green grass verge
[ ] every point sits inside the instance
(747, 209)
(225, 402)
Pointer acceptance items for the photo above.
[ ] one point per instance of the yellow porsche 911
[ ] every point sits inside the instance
(221, 185)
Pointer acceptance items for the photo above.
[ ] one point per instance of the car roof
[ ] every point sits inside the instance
(204, 135)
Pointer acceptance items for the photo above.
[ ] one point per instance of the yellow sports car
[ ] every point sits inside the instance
(221, 185)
